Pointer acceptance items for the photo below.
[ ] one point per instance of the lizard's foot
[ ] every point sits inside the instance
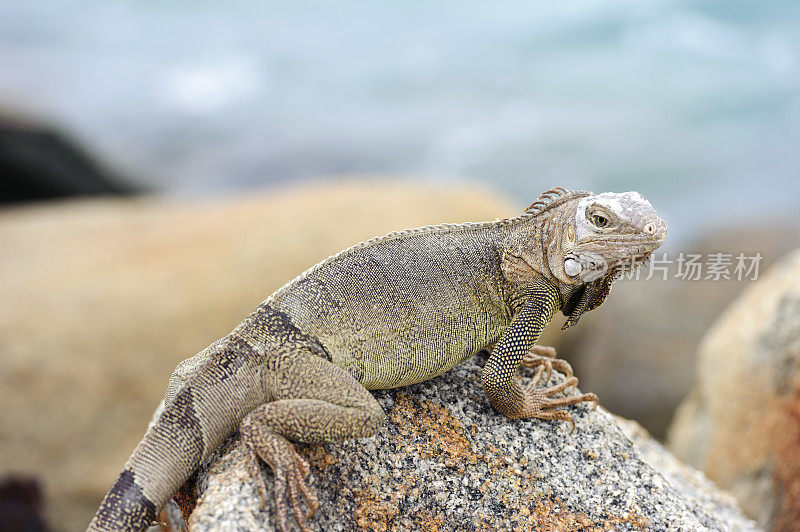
(545, 357)
(540, 405)
(290, 470)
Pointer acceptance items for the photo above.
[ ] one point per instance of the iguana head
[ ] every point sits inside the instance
(583, 242)
(608, 233)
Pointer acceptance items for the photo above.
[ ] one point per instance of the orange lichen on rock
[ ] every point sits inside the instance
(186, 497)
(532, 510)
(428, 430)
(786, 475)
(549, 515)
(377, 507)
(317, 456)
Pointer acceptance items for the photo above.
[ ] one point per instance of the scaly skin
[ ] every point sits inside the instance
(388, 312)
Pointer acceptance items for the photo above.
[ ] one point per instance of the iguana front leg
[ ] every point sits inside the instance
(314, 402)
(545, 357)
(500, 377)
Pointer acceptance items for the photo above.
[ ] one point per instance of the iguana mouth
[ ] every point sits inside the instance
(628, 238)
(633, 263)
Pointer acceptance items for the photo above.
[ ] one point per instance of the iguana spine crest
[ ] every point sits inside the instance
(553, 198)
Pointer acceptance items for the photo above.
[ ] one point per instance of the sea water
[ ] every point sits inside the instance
(696, 104)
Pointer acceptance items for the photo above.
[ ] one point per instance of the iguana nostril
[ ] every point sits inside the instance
(650, 229)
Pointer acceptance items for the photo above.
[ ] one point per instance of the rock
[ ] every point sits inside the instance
(637, 352)
(103, 298)
(740, 422)
(692, 482)
(445, 460)
(21, 505)
(37, 161)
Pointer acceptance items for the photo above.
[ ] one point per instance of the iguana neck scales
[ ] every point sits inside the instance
(388, 312)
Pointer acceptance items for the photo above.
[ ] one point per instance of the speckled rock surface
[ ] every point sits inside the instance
(444, 460)
(693, 484)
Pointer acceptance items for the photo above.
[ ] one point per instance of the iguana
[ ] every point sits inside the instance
(391, 311)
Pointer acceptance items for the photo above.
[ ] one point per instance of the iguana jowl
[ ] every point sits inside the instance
(391, 311)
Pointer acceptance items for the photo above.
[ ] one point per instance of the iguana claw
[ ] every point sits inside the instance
(290, 470)
(540, 405)
(546, 356)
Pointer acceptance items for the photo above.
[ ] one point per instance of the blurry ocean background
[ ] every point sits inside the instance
(695, 104)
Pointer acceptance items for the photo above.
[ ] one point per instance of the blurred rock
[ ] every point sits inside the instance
(21, 505)
(39, 162)
(637, 351)
(445, 460)
(741, 422)
(104, 297)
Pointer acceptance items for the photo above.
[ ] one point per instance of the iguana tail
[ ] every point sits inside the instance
(206, 410)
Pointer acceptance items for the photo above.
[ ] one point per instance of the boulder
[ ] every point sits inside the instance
(21, 505)
(103, 298)
(38, 161)
(740, 424)
(445, 460)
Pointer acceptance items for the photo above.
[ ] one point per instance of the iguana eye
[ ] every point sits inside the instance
(599, 220)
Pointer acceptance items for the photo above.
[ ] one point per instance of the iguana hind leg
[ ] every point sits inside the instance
(315, 402)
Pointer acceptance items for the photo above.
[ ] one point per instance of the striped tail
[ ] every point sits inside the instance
(202, 414)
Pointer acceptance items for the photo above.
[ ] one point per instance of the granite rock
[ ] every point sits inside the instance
(445, 460)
